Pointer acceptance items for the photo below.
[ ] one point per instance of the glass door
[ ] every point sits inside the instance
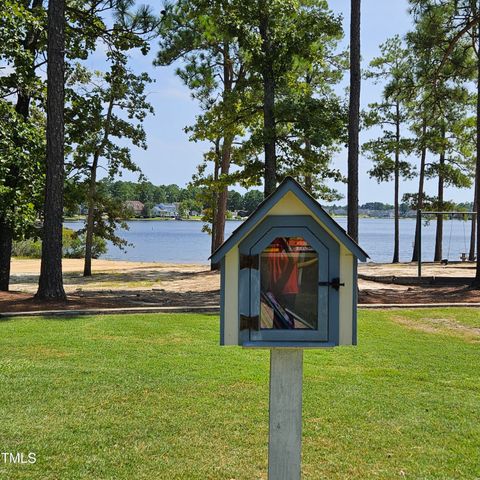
(289, 285)
(289, 301)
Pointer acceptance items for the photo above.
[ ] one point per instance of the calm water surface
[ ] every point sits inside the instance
(184, 241)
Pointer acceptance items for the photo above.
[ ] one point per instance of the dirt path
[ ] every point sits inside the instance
(140, 284)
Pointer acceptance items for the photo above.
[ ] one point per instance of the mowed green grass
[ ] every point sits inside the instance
(155, 397)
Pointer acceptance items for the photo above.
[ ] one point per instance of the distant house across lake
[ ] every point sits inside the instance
(167, 210)
(374, 210)
(135, 207)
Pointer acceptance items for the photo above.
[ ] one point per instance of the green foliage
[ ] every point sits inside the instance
(28, 248)
(295, 43)
(189, 198)
(218, 50)
(391, 114)
(188, 205)
(252, 200)
(104, 109)
(22, 168)
(105, 113)
(147, 210)
(22, 122)
(74, 245)
(115, 27)
(442, 105)
(234, 201)
(376, 206)
(22, 42)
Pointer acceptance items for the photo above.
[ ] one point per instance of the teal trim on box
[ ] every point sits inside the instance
(325, 246)
(289, 345)
(355, 302)
(289, 185)
(222, 302)
(322, 331)
(287, 221)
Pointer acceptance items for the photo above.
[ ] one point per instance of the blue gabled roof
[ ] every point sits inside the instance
(289, 185)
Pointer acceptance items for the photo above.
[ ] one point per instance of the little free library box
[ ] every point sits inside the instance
(289, 276)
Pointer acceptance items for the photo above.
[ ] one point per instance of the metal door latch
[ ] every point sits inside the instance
(334, 283)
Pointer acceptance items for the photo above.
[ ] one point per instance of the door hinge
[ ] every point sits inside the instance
(249, 323)
(334, 283)
(249, 261)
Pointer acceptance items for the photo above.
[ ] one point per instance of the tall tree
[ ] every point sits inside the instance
(418, 203)
(354, 118)
(460, 20)
(311, 119)
(50, 284)
(456, 152)
(280, 35)
(419, 43)
(442, 102)
(113, 105)
(201, 36)
(22, 51)
(389, 152)
(261, 73)
(473, 229)
(99, 100)
(22, 42)
(266, 24)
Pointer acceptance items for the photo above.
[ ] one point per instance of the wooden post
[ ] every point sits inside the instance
(285, 437)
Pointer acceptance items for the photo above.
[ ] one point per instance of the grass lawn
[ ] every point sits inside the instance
(154, 397)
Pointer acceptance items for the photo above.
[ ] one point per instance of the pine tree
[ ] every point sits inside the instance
(50, 284)
(390, 151)
(354, 118)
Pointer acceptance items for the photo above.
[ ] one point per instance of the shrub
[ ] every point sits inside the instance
(27, 248)
(73, 246)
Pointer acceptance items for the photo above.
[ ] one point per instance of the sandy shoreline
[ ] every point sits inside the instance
(31, 266)
(21, 266)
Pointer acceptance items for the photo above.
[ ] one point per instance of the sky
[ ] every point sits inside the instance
(172, 158)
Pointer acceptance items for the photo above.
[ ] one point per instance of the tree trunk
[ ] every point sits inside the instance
(50, 284)
(476, 282)
(471, 253)
(269, 128)
(6, 240)
(308, 184)
(354, 120)
(30, 44)
(92, 192)
(421, 188)
(396, 240)
(216, 170)
(308, 180)
(396, 246)
(221, 207)
(226, 154)
(439, 231)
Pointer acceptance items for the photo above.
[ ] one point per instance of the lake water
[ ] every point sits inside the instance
(184, 241)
